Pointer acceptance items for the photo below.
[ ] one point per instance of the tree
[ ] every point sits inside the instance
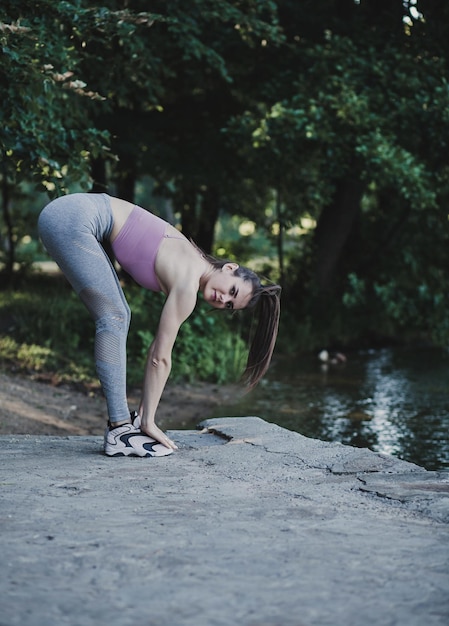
(44, 133)
(191, 66)
(360, 136)
(331, 110)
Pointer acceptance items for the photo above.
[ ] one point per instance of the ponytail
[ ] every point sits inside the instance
(267, 300)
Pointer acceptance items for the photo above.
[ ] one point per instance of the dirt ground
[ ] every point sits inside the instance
(28, 406)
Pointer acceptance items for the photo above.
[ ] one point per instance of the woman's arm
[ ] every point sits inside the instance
(178, 306)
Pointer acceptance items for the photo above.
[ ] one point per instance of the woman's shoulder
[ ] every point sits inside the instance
(178, 263)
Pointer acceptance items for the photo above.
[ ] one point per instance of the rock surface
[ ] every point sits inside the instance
(247, 524)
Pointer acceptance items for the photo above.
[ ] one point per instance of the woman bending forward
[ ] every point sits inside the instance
(159, 258)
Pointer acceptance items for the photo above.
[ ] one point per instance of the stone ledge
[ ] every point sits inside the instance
(381, 475)
(246, 524)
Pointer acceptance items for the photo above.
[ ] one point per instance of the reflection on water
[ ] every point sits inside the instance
(393, 401)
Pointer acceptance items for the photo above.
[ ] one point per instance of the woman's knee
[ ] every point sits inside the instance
(102, 307)
(116, 321)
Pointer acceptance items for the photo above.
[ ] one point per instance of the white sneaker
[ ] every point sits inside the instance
(136, 419)
(127, 440)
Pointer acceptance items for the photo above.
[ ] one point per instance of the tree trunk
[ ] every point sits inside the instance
(280, 237)
(333, 231)
(126, 183)
(208, 219)
(186, 205)
(9, 243)
(98, 172)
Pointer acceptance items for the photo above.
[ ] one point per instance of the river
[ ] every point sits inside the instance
(393, 401)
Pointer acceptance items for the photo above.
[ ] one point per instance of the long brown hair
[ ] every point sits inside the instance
(266, 300)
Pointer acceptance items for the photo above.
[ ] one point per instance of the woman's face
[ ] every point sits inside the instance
(223, 290)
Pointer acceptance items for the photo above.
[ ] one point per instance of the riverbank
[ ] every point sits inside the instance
(246, 524)
(32, 407)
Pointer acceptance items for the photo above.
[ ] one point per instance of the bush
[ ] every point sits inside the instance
(209, 346)
(45, 328)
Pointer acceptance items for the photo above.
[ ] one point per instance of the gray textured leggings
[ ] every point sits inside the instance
(72, 228)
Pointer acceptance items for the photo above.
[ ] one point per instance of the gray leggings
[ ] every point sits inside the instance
(72, 228)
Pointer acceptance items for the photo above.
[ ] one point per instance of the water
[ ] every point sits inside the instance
(394, 401)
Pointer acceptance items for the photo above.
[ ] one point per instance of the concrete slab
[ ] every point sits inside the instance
(247, 524)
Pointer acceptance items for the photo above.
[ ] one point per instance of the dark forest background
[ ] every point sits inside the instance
(306, 139)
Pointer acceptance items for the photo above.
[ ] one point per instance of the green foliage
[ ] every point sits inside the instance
(207, 350)
(51, 317)
(44, 129)
(209, 346)
(256, 111)
(349, 114)
(367, 106)
(47, 363)
(26, 357)
(48, 330)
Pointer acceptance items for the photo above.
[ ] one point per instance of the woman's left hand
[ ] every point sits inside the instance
(153, 431)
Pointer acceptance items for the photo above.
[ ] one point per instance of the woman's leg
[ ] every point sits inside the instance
(71, 229)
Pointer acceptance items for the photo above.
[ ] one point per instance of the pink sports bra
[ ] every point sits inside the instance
(137, 244)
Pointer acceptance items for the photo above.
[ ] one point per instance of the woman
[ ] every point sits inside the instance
(160, 258)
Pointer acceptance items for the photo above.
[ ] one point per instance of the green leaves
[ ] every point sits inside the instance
(43, 126)
(266, 110)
